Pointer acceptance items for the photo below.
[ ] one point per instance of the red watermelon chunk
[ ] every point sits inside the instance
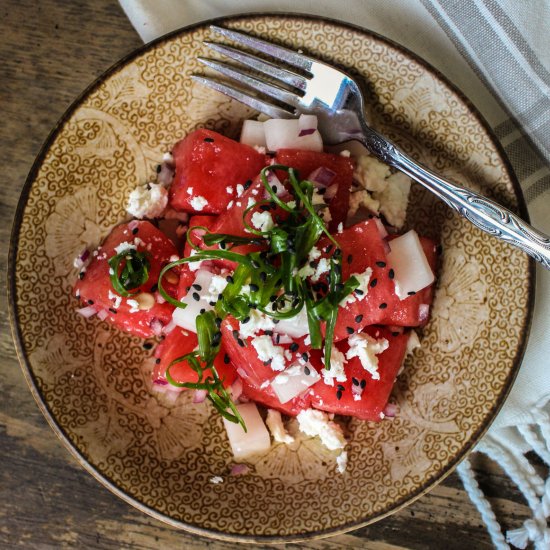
(306, 162)
(267, 397)
(339, 398)
(178, 343)
(95, 288)
(209, 167)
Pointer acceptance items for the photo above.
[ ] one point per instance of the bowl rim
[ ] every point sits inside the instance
(431, 482)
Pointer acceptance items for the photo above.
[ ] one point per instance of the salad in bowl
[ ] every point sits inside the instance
(274, 275)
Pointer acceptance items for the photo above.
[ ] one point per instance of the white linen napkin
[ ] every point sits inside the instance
(496, 52)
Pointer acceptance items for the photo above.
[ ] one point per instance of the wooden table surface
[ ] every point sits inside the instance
(50, 51)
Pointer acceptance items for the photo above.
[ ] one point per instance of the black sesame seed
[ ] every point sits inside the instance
(157, 360)
(81, 275)
(247, 184)
(373, 283)
(235, 334)
(363, 383)
(196, 296)
(350, 258)
(223, 246)
(197, 287)
(395, 333)
(354, 381)
(218, 322)
(359, 292)
(328, 249)
(208, 140)
(245, 320)
(229, 279)
(350, 330)
(359, 318)
(254, 287)
(212, 303)
(147, 345)
(220, 296)
(391, 274)
(294, 347)
(112, 310)
(154, 288)
(268, 332)
(381, 264)
(226, 359)
(278, 338)
(337, 253)
(135, 230)
(275, 321)
(340, 387)
(307, 371)
(263, 276)
(240, 342)
(274, 188)
(383, 305)
(338, 395)
(411, 293)
(202, 310)
(305, 356)
(91, 302)
(265, 207)
(268, 362)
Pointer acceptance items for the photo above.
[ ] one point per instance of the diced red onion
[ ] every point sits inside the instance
(85, 255)
(356, 389)
(323, 176)
(330, 192)
(156, 326)
(102, 314)
(306, 132)
(200, 396)
(390, 410)
(423, 312)
(160, 382)
(239, 470)
(87, 312)
(236, 389)
(160, 298)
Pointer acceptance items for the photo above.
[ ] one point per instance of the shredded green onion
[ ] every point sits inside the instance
(134, 272)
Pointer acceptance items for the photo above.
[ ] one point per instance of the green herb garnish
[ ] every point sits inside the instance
(267, 280)
(134, 272)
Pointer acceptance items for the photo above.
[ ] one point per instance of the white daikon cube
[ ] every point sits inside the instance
(411, 269)
(287, 134)
(253, 133)
(293, 381)
(186, 317)
(255, 440)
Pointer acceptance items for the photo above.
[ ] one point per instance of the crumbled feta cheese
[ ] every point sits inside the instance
(366, 348)
(337, 361)
(340, 228)
(147, 201)
(363, 279)
(193, 266)
(229, 189)
(198, 203)
(168, 158)
(363, 199)
(216, 287)
(261, 149)
(342, 462)
(189, 190)
(394, 198)
(275, 424)
(322, 267)
(345, 153)
(267, 351)
(258, 321)
(305, 271)
(134, 305)
(371, 173)
(230, 205)
(216, 480)
(240, 190)
(262, 221)
(314, 253)
(316, 423)
(291, 204)
(117, 300)
(317, 198)
(294, 381)
(124, 246)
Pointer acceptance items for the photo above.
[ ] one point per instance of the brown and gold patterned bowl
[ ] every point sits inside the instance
(92, 382)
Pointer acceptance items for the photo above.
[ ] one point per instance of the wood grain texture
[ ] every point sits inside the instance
(50, 52)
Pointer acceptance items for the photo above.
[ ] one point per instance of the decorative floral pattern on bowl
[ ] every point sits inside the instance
(160, 451)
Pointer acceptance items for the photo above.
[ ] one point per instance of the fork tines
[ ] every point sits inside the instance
(287, 100)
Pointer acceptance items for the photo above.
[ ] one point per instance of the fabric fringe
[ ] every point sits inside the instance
(534, 488)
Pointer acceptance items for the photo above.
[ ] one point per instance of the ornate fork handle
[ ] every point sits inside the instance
(484, 213)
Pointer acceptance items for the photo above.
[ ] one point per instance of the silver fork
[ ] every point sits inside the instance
(313, 87)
